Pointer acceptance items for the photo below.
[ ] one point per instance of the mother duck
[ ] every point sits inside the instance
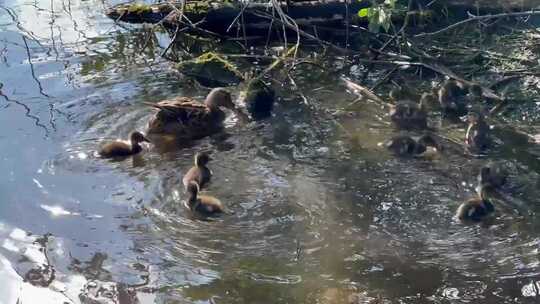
(189, 119)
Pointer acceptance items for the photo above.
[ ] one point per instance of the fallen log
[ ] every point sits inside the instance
(223, 18)
(226, 17)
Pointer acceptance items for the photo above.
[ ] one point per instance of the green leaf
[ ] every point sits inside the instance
(363, 12)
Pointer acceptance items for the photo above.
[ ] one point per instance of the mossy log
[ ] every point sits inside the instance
(211, 70)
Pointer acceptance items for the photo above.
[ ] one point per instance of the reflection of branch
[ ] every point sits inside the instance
(32, 67)
(52, 23)
(2, 56)
(20, 27)
(80, 33)
(51, 115)
(26, 108)
(298, 253)
(44, 241)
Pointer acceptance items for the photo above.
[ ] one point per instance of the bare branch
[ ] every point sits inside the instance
(477, 18)
(363, 91)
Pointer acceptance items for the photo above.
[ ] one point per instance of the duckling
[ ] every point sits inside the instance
(477, 136)
(198, 173)
(188, 119)
(476, 208)
(124, 148)
(407, 114)
(202, 203)
(451, 97)
(405, 145)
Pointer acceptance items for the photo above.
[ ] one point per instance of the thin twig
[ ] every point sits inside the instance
(507, 79)
(486, 92)
(244, 35)
(303, 33)
(387, 43)
(384, 78)
(290, 23)
(477, 18)
(237, 17)
(173, 39)
(363, 91)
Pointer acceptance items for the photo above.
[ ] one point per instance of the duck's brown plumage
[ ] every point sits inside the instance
(203, 204)
(477, 136)
(476, 208)
(405, 145)
(199, 173)
(123, 148)
(186, 118)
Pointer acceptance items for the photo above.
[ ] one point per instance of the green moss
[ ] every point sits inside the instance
(139, 8)
(215, 58)
(193, 8)
(197, 7)
(211, 69)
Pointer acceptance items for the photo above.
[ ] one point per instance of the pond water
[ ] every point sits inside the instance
(319, 212)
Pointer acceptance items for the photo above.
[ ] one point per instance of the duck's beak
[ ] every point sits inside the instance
(146, 139)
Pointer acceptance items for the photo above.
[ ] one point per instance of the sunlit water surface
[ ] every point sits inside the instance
(318, 212)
